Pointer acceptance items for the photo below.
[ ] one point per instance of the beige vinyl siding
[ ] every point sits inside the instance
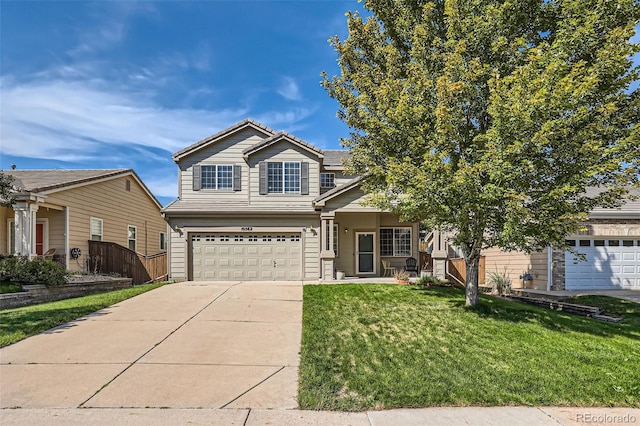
(225, 151)
(349, 201)
(515, 264)
(341, 178)
(110, 201)
(179, 243)
(283, 151)
(55, 220)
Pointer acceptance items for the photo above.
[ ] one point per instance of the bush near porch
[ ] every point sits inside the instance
(387, 346)
(20, 270)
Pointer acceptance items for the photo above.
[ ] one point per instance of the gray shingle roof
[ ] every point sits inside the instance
(47, 180)
(244, 123)
(278, 137)
(334, 157)
(44, 180)
(338, 190)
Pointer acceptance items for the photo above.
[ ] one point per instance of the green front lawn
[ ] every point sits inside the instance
(20, 323)
(384, 346)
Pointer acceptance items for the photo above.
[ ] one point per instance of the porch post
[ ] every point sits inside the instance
(25, 228)
(327, 255)
(439, 255)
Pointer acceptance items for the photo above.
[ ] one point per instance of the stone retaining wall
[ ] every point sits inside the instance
(35, 294)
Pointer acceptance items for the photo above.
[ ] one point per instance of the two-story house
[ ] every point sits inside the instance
(255, 204)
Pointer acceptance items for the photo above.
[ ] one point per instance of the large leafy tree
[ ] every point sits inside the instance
(491, 119)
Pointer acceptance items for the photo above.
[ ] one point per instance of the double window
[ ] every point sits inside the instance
(218, 177)
(395, 242)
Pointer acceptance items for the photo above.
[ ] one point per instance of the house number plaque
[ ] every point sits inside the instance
(246, 228)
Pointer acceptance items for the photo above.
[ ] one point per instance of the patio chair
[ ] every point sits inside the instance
(48, 254)
(411, 265)
(388, 269)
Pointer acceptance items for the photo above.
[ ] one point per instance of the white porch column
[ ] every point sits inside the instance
(327, 255)
(25, 228)
(439, 255)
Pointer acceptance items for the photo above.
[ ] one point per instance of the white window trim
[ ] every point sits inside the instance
(10, 224)
(299, 191)
(135, 237)
(334, 180)
(202, 187)
(160, 241)
(91, 219)
(410, 229)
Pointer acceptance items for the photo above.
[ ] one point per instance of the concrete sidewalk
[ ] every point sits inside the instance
(481, 416)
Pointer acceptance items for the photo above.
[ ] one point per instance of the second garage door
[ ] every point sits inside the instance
(222, 256)
(611, 263)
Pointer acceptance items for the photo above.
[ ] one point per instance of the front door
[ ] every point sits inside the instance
(365, 256)
(39, 239)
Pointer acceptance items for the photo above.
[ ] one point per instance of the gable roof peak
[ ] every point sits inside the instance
(247, 122)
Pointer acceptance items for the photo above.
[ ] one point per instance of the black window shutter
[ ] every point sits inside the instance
(196, 177)
(304, 178)
(237, 177)
(262, 170)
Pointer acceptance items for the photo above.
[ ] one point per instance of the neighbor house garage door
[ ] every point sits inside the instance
(220, 256)
(611, 263)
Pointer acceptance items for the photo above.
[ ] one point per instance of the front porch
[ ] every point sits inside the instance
(356, 244)
(34, 228)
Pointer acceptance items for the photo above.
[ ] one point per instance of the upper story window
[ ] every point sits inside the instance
(163, 241)
(218, 177)
(327, 180)
(95, 228)
(284, 178)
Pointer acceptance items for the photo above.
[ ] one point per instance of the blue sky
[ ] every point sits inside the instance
(125, 84)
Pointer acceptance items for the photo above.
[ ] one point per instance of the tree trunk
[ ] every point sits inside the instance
(471, 285)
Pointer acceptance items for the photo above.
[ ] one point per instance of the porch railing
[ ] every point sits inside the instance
(112, 258)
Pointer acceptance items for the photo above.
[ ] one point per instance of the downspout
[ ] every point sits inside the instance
(549, 267)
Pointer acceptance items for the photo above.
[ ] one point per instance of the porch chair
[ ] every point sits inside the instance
(411, 265)
(386, 266)
(48, 255)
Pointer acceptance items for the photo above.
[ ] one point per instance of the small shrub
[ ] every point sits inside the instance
(500, 282)
(430, 280)
(401, 276)
(21, 270)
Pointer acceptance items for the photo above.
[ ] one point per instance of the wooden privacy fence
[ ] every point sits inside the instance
(457, 268)
(111, 258)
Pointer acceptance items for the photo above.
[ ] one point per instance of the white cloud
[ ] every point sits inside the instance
(68, 120)
(289, 89)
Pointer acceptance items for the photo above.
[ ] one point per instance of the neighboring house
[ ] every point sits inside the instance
(62, 209)
(611, 243)
(255, 204)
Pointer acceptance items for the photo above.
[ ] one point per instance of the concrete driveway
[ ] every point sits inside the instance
(186, 345)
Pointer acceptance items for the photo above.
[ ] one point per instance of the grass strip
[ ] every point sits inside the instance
(20, 323)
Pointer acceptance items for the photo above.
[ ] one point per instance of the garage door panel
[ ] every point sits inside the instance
(614, 265)
(246, 257)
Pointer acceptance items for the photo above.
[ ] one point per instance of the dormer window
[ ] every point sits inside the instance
(327, 180)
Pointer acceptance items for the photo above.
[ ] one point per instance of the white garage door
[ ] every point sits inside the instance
(610, 264)
(221, 257)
